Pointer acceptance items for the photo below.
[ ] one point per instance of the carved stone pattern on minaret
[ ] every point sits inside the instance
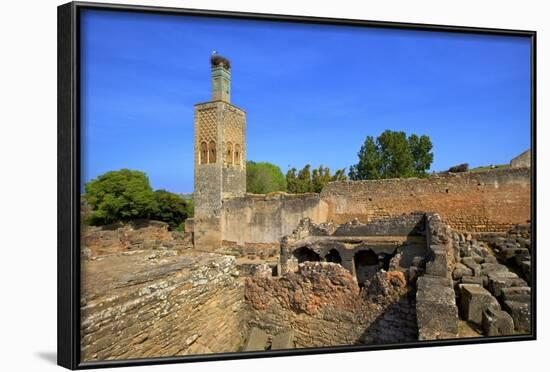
(207, 119)
(233, 127)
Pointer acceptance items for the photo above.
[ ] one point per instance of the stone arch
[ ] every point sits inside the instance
(304, 254)
(237, 154)
(229, 153)
(366, 263)
(333, 256)
(212, 152)
(203, 153)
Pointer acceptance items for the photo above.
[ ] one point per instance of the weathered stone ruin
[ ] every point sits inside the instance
(357, 284)
(132, 236)
(492, 277)
(356, 264)
(147, 292)
(151, 303)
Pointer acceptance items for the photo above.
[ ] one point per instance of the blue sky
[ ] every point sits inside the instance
(312, 92)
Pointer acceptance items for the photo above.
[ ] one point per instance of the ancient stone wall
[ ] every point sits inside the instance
(155, 303)
(436, 310)
(522, 160)
(131, 236)
(492, 200)
(324, 306)
(401, 225)
(261, 220)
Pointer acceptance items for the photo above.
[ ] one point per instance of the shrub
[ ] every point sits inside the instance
(118, 196)
(263, 178)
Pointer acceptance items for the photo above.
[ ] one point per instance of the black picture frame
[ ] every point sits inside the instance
(68, 217)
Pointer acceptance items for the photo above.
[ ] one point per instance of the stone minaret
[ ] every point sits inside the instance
(220, 156)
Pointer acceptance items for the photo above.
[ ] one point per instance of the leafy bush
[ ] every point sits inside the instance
(169, 208)
(263, 178)
(119, 196)
(126, 194)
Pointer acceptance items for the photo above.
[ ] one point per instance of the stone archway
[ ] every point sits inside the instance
(366, 264)
(333, 256)
(304, 254)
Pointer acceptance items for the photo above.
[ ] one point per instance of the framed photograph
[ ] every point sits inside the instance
(236, 185)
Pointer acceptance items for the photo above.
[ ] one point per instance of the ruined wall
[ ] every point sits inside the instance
(492, 200)
(157, 303)
(324, 306)
(522, 160)
(131, 236)
(436, 310)
(234, 181)
(264, 219)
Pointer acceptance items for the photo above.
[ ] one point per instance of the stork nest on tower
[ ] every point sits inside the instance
(217, 60)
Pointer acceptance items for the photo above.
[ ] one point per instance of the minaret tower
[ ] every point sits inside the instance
(220, 156)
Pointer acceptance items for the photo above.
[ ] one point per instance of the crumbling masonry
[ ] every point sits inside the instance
(366, 262)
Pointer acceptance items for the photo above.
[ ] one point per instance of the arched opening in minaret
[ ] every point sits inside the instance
(212, 152)
(237, 154)
(203, 154)
(229, 153)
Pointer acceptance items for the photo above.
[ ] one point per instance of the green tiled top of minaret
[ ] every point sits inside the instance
(221, 78)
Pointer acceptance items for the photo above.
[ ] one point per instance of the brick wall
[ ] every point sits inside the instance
(493, 200)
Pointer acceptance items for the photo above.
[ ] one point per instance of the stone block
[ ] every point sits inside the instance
(509, 253)
(474, 299)
(497, 323)
(490, 259)
(519, 294)
(521, 314)
(526, 270)
(487, 268)
(471, 263)
(257, 340)
(497, 282)
(437, 266)
(436, 311)
(522, 255)
(472, 280)
(461, 270)
(477, 258)
(283, 340)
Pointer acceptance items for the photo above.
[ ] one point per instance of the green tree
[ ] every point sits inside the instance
(119, 195)
(421, 148)
(263, 178)
(190, 207)
(396, 157)
(170, 208)
(369, 166)
(339, 175)
(319, 178)
(393, 155)
(314, 180)
(292, 181)
(304, 180)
